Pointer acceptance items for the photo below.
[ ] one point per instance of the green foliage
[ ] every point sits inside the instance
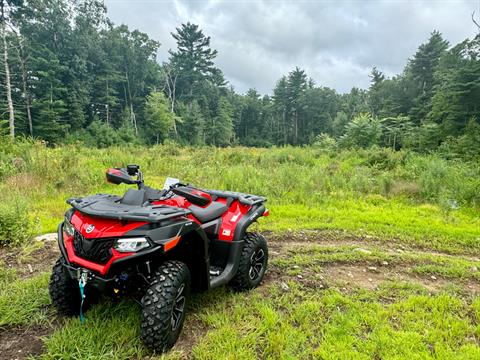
(97, 73)
(192, 128)
(381, 191)
(15, 222)
(193, 62)
(425, 138)
(158, 118)
(465, 146)
(221, 129)
(363, 131)
(111, 331)
(102, 135)
(395, 131)
(24, 302)
(325, 142)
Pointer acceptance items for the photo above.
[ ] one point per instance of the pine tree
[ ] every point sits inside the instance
(220, 132)
(457, 95)
(193, 61)
(421, 69)
(192, 128)
(159, 121)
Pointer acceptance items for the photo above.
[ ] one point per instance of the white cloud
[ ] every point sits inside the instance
(337, 42)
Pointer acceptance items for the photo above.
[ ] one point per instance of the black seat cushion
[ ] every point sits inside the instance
(212, 211)
(134, 197)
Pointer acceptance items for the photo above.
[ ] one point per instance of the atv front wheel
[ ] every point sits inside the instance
(164, 306)
(253, 263)
(64, 291)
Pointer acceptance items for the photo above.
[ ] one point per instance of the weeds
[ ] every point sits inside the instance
(24, 301)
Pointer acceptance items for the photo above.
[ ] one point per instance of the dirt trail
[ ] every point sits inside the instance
(362, 274)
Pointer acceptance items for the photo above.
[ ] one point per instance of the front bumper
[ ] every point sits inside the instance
(115, 265)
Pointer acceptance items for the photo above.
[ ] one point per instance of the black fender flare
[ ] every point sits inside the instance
(236, 246)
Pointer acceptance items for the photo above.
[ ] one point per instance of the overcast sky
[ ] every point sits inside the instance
(336, 42)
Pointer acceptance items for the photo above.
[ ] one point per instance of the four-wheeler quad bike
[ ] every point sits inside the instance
(156, 245)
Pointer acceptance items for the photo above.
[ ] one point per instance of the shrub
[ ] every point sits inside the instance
(325, 142)
(384, 158)
(363, 131)
(102, 135)
(15, 224)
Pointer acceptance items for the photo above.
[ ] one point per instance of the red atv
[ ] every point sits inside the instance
(156, 245)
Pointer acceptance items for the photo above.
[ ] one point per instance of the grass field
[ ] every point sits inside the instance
(374, 255)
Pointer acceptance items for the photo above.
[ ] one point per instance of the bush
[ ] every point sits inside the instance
(384, 158)
(465, 146)
(15, 224)
(325, 142)
(363, 131)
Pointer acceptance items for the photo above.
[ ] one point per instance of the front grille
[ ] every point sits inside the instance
(98, 251)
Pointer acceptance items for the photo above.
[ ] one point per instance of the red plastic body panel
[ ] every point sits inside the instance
(102, 228)
(102, 269)
(229, 220)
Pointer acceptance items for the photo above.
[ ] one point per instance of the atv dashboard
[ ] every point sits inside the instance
(109, 206)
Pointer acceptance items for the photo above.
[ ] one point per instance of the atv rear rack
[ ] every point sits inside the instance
(109, 206)
(246, 199)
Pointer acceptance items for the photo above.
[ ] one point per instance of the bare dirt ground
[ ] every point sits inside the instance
(22, 342)
(32, 261)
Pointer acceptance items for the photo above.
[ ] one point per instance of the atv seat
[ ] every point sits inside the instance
(134, 197)
(212, 211)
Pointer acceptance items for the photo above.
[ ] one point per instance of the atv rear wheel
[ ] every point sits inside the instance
(164, 306)
(64, 291)
(253, 263)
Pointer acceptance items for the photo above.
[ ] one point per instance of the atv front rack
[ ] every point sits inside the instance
(109, 206)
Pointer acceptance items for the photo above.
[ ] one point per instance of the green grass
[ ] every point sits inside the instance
(24, 302)
(381, 201)
(388, 194)
(304, 323)
(423, 225)
(111, 331)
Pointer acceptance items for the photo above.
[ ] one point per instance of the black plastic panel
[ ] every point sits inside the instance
(98, 251)
(109, 206)
(247, 199)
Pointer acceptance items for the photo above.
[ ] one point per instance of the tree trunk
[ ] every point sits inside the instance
(24, 86)
(8, 86)
(296, 128)
(132, 114)
(106, 105)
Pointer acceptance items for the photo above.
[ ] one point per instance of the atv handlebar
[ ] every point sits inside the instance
(119, 176)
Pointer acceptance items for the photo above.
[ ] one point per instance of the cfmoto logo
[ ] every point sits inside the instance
(90, 228)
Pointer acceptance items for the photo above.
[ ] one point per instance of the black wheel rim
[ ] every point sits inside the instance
(178, 307)
(257, 262)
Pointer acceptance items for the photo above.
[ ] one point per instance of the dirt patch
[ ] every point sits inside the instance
(344, 238)
(193, 330)
(22, 342)
(348, 277)
(28, 263)
(325, 238)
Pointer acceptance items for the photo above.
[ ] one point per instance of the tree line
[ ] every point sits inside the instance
(69, 74)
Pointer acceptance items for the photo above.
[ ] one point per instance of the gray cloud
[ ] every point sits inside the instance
(336, 42)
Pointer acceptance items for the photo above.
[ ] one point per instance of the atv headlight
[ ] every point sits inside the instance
(131, 244)
(68, 228)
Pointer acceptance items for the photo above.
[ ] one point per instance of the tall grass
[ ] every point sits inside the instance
(44, 177)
